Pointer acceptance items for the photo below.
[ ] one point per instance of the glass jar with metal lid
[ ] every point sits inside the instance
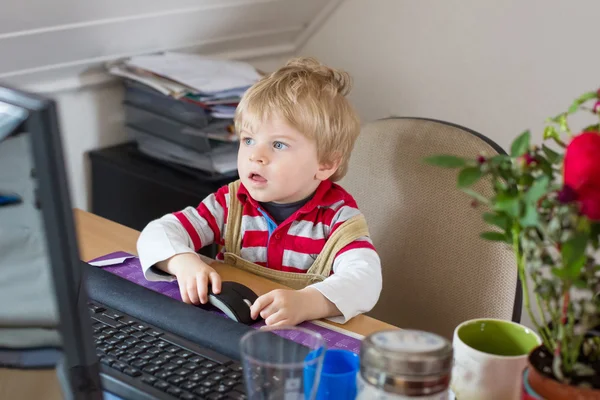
(402, 364)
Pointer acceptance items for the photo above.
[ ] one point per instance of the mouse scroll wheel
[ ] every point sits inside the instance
(248, 302)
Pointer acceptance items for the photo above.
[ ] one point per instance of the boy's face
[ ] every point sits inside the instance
(279, 164)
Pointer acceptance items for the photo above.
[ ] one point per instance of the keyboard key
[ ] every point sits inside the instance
(148, 339)
(146, 356)
(234, 375)
(173, 349)
(158, 361)
(162, 385)
(132, 372)
(116, 353)
(162, 344)
(149, 379)
(175, 380)
(202, 391)
(132, 341)
(208, 364)
(204, 372)
(215, 396)
(187, 385)
(207, 383)
(151, 369)
(110, 331)
(141, 364)
(167, 356)
(135, 350)
(229, 382)
(162, 374)
(222, 370)
(105, 348)
(169, 367)
(184, 354)
(175, 391)
(140, 327)
(154, 333)
(127, 358)
(112, 341)
(191, 366)
(112, 315)
(182, 372)
(215, 377)
(143, 345)
(222, 389)
(138, 334)
(96, 309)
(101, 336)
(153, 350)
(179, 361)
(235, 367)
(120, 336)
(240, 388)
(123, 346)
(236, 396)
(196, 359)
(187, 396)
(98, 326)
(195, 377)
(106, 360)
(128, 330)
(119, 365)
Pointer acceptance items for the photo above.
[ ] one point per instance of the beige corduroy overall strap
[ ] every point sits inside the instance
(348, 232)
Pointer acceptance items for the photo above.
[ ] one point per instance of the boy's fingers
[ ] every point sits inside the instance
(268, 311)
(192, 292)
(275, 318)
(202, 280)
(184, 293)
(215, 282)
(260, 303)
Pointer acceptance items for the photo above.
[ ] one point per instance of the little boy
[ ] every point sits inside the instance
(284, 219)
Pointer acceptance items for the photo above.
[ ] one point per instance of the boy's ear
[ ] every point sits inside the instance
(327, 169)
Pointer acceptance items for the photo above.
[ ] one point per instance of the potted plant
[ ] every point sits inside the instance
(546, 205)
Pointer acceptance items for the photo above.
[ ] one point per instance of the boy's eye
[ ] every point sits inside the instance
(248, 141)
(280, 145)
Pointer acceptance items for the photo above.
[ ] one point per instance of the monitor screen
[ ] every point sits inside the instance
(28, 312)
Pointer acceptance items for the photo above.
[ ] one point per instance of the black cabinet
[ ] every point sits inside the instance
(133, 189)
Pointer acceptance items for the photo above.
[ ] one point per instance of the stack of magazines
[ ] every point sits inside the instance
(179, 107)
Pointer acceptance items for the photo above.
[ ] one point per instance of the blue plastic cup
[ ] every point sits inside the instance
(338, 375)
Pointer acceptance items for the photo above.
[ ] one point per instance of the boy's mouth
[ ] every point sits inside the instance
(256, 178)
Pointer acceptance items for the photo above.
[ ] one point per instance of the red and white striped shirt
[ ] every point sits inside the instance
(292, 246)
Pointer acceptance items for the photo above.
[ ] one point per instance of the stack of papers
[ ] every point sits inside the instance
(216, 85)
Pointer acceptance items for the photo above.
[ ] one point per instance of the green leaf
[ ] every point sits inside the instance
(469, 176)
(537, 190)
(592, 128)
(574, 107)
(480, 198)
(562, 122)
(520, 145)
(494, 236)
(573, 254)
(501, 221)
(508, 204)
(560, 273)
(551, 155)
(446, 161)
(531, 216)
(550, 133)
(585, 97)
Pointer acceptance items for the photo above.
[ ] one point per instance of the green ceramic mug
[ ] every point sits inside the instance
(489, 358)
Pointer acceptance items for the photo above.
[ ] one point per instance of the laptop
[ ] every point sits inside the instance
(118, 339)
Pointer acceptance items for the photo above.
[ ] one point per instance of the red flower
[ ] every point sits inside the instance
(582, 172)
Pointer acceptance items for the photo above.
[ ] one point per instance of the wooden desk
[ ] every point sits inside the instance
(97, 237)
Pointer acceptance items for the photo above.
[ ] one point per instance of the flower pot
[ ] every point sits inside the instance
(538, 383)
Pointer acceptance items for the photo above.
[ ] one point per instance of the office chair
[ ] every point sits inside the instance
(437, 271)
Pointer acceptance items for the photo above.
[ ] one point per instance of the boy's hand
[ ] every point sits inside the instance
(193, 276)
(291, 307)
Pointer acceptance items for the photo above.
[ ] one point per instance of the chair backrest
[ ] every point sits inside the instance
(437, 271)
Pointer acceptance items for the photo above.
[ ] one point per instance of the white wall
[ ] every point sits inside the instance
(498, 67)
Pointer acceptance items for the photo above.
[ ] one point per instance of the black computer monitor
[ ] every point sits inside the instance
(25, 116)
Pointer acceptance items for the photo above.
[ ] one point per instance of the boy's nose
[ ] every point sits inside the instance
(259, 157)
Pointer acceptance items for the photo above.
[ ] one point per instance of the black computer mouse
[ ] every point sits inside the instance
(234, 300)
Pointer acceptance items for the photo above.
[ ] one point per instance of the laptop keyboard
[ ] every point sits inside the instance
(157, 358)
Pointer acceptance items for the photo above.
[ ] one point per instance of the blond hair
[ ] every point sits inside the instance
(310, 97)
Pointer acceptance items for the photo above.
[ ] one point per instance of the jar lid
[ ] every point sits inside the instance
(406, 353)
